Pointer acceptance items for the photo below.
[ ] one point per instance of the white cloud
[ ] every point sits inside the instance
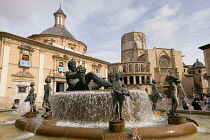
(157, 27)
(101, 23)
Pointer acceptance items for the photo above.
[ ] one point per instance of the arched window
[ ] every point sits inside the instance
(97, 71)
(130, 68)
(164, 61)
(124, 68)
(136, 67)
(25, 57)
(131, 80)
(137, 80)
(125, 80)
(142, 68)
(60, 64)
(148, 80)
(142, 80)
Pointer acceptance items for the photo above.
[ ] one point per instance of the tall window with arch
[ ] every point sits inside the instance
(25, 57)
(130, 68)
(137, 80)
(148, 80)
(125, 80)
(61, 67)
(142, 80)
(136, 67)
(124, 68)
(60, 64)
(131, 80)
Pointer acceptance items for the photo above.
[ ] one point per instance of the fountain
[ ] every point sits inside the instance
(88, 113)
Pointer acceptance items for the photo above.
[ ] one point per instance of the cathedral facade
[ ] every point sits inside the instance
(140, 65)
(32, 59)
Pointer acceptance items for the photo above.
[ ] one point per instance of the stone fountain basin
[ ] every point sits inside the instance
(98, 133)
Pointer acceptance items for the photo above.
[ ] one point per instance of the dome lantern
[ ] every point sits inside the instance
(59, 27)
(60, 18)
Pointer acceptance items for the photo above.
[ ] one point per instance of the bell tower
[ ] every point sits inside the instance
(133, 44)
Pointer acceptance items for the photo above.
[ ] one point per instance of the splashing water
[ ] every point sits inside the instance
(7, 122)
(23, 108)
(95, 107)
(135, 135)
(203, 130)
(37, 122)
(181, 88)
(24, 136)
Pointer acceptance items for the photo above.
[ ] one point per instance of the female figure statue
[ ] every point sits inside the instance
(155, 96)
(31, 98)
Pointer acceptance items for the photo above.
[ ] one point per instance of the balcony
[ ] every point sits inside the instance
(24, 63)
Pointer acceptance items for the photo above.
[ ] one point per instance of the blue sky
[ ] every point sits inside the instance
(100, 24)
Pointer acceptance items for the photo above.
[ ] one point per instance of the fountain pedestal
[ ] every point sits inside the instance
(30, 115)
(176, 120)
(116, 126)
(50, 122)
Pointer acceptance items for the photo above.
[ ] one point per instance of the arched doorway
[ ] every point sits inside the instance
(131, 80)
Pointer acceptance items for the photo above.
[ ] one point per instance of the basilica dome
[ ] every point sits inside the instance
(61, 31)
(198, 64)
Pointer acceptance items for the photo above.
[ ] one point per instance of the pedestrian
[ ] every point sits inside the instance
(204, 103)
(196, 103)
(185, 102)
(208, 103)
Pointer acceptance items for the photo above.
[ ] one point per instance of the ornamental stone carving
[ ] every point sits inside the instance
(23, 73)
(25, 48)
(164, 61)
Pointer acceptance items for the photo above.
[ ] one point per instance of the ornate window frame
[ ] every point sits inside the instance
(25, 50)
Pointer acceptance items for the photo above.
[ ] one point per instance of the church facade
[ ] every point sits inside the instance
(195, 78)
(140, 65)
(32, 59)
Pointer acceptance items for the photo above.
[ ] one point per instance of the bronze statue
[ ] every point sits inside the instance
(46, 102)
(71, 79)
(78, 80)
(120, 90)
(31, 98)
(155, 96)
(173, 82)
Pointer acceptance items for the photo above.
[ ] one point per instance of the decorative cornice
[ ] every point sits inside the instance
(11, 38)
(26, 47)
(23, 73)
(64, 58)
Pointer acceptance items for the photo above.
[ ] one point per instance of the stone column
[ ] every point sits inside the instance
(4, 72)
(140, 80)
(41, 74)
(106, 72)
(134, 80)
(128, 80)
(54, 86)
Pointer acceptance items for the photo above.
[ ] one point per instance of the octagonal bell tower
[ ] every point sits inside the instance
(133, 45)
